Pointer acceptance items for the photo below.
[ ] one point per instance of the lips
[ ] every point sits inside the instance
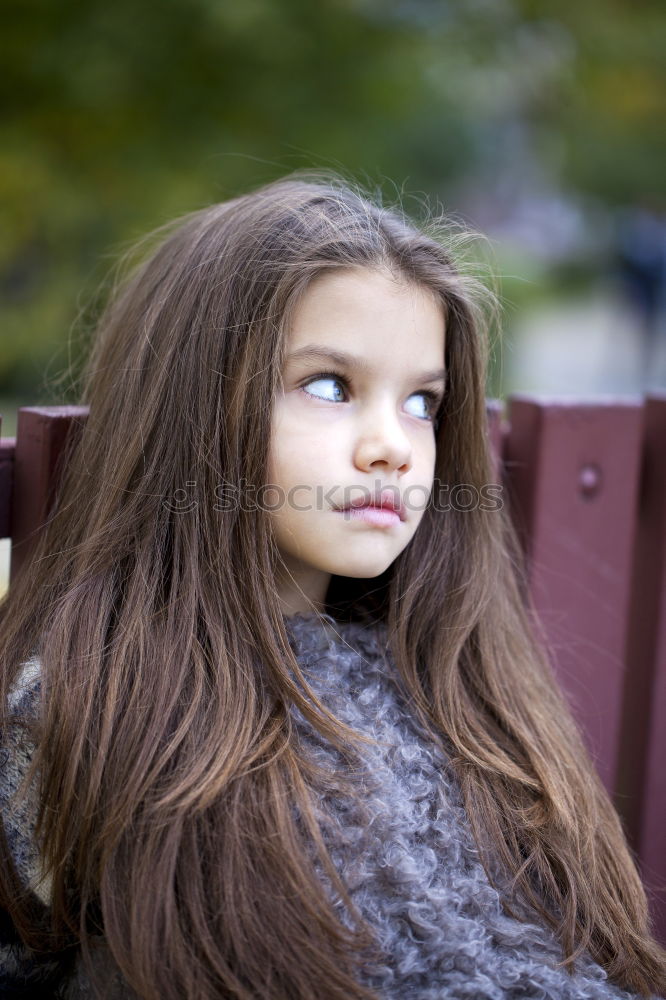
(383, 500)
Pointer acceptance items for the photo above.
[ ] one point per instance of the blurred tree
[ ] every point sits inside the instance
(118, 116)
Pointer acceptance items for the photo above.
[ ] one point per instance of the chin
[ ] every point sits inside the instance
(363, 569)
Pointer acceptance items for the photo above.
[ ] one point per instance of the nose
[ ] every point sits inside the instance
(382, 443)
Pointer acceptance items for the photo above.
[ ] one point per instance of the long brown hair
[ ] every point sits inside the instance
(177, 810)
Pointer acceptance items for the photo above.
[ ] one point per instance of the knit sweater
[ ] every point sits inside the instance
(406, 855)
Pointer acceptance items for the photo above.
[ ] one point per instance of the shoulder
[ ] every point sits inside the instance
(23, 697)
(19, 802)
(16, 746)
(23, 973)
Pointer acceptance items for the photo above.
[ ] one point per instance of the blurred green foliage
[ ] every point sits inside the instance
(119, 116)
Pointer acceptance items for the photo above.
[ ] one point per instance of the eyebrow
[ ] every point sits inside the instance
(313, 353)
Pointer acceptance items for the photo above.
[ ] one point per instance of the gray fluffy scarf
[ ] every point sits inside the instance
(417, 878)
(406, 855)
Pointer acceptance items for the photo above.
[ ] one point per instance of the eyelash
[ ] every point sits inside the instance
(432, 397)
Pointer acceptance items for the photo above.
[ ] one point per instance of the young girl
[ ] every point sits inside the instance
(275, 721)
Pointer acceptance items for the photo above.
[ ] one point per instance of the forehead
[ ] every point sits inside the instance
(366, 311)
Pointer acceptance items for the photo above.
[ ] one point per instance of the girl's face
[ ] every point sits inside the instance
(363, 377)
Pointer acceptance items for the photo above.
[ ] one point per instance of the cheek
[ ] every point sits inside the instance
(427, 460)
(425, 479)
(285, 431)
(298, 455)
(279, 451)
(288, 467)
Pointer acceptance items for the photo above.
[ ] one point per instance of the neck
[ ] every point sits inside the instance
(303, 593)
(296, 599)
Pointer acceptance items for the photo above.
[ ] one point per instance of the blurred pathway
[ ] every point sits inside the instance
(4, 565)
(586, 347)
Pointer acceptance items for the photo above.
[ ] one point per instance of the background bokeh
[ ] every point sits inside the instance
(537, 123)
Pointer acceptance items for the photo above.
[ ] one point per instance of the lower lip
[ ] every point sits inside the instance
(382, 517)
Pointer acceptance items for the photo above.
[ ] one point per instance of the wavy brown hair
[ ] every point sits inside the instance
(178, 814)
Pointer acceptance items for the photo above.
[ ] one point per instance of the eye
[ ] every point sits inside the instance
(333, 387)
(428, 411)
(323, 381)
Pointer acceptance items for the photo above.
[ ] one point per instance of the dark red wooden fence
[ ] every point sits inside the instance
(585, 482)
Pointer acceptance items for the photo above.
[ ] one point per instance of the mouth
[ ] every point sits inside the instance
(383, 508)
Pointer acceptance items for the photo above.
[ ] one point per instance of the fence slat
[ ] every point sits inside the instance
(6, 484)
(641, 791)
(41, 435)
(571, 470)
(494, 411)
